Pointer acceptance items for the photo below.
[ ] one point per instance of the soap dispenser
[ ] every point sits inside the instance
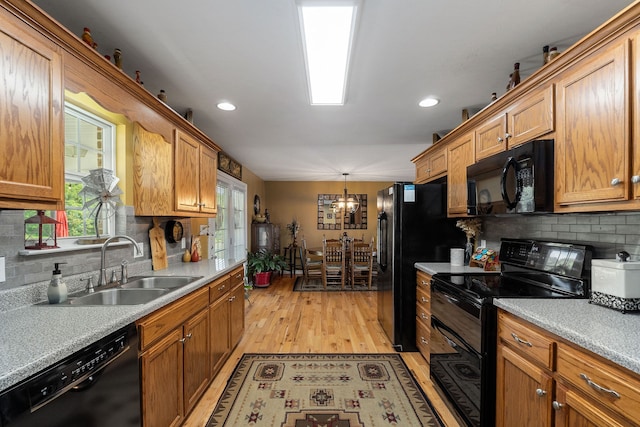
(57, 291)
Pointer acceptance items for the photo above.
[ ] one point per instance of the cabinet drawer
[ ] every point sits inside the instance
(423, 281)
(423, 333)
(600, 380)
(423, 305)
(162, 321)
(219, 287)
(237, 277)
(527, 339)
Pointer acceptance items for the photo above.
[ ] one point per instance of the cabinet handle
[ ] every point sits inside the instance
(615, 181)
(500, 139)
(520, 340)
(231, 299)
(635, 179)
(424, 316)
(182, 340)
(599, 388)
(540, 392)
(557, 405)
(424, 341)
(507, 135)
(222, 287)
(189, 335)
(425, 300)
(424, 282)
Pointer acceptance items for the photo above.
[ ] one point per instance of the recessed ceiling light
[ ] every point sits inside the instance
(226, 106)
(327, 32)
(429, 102)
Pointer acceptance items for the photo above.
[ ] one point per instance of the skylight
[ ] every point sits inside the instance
(327, 33)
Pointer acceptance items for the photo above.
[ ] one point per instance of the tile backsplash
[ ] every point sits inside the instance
(22, 270)
(608, 233)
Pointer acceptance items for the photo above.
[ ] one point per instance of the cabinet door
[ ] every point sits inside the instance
(592, 132)
(461, 155)
(573, 410)
(31, 111)
(197, 366)
(162, 386)
(153, 173)
(208, 176)
(236, 315)
(635, 166)
(490, 137)
(187, 173)
(531, 117)
(523, 392)
(219, 330)
(438, 163)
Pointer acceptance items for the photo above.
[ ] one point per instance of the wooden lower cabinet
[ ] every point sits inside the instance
(183, 347)
(542, 380)
(423, 313)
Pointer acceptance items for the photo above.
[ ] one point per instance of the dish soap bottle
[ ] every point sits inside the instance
(57, 291)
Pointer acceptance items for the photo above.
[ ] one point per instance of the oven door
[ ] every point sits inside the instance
(455, 351)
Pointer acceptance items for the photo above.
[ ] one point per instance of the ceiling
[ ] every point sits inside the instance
(249, 52)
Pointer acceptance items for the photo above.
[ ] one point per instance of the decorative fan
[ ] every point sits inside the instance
(101, 190)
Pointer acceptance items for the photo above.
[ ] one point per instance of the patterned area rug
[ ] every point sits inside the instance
(315, 284)
(318, 390)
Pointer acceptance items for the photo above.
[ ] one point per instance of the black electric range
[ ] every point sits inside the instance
(464, 319)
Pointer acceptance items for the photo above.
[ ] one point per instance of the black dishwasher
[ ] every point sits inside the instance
(97, 386)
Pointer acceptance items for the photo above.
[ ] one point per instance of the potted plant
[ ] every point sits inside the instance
(261, 264)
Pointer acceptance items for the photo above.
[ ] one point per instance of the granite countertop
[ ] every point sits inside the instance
(445, 267)
(37, 336)
(602, 330)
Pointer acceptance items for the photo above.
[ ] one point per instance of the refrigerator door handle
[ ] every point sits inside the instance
(382, 240)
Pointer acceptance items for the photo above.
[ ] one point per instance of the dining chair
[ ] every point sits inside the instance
(333, 263)
(312, 264)
(361, 264)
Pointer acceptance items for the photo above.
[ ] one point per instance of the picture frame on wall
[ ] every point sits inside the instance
(230, 166)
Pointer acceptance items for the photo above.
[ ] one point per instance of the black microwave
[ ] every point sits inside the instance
(519, 180)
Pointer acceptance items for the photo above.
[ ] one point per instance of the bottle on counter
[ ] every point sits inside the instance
(57, 291)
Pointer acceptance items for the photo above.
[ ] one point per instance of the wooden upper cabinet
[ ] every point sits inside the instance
(528, 118)
(152, 173)
(31, 113)
(460, 155)
(195, 167)
(592, 135)
(431, 166)
(531, 117)
(490, 136)
(635, 165)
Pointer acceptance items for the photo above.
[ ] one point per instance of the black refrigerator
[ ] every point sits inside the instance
(412, 227)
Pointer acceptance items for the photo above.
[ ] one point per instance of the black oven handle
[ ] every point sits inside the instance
(510, 163)
(464, 349)
(383, 237)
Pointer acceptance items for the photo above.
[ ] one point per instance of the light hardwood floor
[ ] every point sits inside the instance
(279, 320)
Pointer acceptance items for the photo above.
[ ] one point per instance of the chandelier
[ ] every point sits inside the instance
(346, 202)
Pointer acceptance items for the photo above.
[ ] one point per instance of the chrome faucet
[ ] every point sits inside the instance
(102, 280)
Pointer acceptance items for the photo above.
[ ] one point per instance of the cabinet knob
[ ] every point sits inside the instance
(424, 316)
(500, 139)
(424, 341)
(557, 405)
(507, 135)
(540, 392)
(425, 300)
(635, 179)
(615, 181)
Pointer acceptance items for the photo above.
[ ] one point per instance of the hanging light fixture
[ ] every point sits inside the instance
(345, 202)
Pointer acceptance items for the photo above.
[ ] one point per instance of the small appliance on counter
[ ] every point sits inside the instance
(616, 283)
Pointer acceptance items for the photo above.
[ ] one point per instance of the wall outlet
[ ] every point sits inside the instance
(183, 243)
(3, 275)
(483, 243)
(141, 254)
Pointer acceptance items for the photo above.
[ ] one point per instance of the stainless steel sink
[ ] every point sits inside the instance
(159, 282)
(117, 296)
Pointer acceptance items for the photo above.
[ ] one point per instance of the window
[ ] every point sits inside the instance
(89, 144)
(229, 227)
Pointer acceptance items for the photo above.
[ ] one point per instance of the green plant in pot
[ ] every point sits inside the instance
(261, 264)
